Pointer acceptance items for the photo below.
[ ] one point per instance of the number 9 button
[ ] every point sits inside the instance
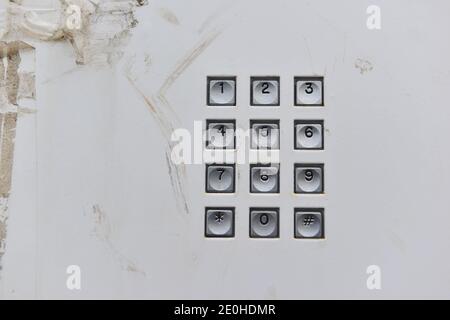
(308, 91)
(308, 134)
(308, 178)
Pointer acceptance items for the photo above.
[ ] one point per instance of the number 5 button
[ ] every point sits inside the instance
(308, 178)
(265, 91)
(308, 134)
(220, 178)
(308, 91)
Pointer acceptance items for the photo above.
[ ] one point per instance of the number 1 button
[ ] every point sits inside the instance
(265, 91)
(221, 91)
(308, 91)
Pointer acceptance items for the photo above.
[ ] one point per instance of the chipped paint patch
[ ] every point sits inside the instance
(363, 65)
(102, 230)
(15, 85)
(97, 29)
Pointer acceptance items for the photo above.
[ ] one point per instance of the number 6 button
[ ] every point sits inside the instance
(220, 178)
(265, 91)
(308, 134)
(308, 91)
(308, 178)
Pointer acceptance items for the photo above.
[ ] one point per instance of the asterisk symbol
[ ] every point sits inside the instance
(218, 217)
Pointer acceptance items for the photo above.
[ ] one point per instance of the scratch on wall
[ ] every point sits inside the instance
(11, 91)
(166, 117)
(102, 229)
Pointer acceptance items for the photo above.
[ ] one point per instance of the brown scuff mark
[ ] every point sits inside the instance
(166, 116)
(363, 65)
(169, 16)
(102, 230)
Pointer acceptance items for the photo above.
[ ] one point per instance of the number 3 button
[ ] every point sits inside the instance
(265, 91)
(220, 178)
(308, 91)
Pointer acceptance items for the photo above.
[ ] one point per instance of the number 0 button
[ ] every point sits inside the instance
(221, 91)
(308, 91)
(265, 91)
(220, 178)
(308, 178)
(308, 134)
(264, 222)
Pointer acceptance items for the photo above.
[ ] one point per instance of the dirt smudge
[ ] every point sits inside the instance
(169, 16)
(102, 230)
(363, 65)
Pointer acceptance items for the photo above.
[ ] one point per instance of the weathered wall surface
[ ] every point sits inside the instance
(86, 114)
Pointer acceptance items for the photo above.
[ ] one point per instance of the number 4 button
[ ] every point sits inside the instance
(308, 91)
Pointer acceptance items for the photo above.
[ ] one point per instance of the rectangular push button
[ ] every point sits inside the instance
(220, 134)
(219, 222)
(264, 178)
(265, 134)
(221, 91)
(308, 178)
(308, 91)
(265, 91)
(264, 222)
(308, 134)
(308, 223)
(220, 178)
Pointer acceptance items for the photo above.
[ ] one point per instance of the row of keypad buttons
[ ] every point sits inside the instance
(265, 91)
(265, 178)
(264, 222)
(265, 134)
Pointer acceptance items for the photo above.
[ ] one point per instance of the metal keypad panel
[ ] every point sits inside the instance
(265, 134)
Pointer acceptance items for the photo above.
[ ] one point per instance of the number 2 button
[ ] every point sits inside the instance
(265, 91)
(308, 91)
